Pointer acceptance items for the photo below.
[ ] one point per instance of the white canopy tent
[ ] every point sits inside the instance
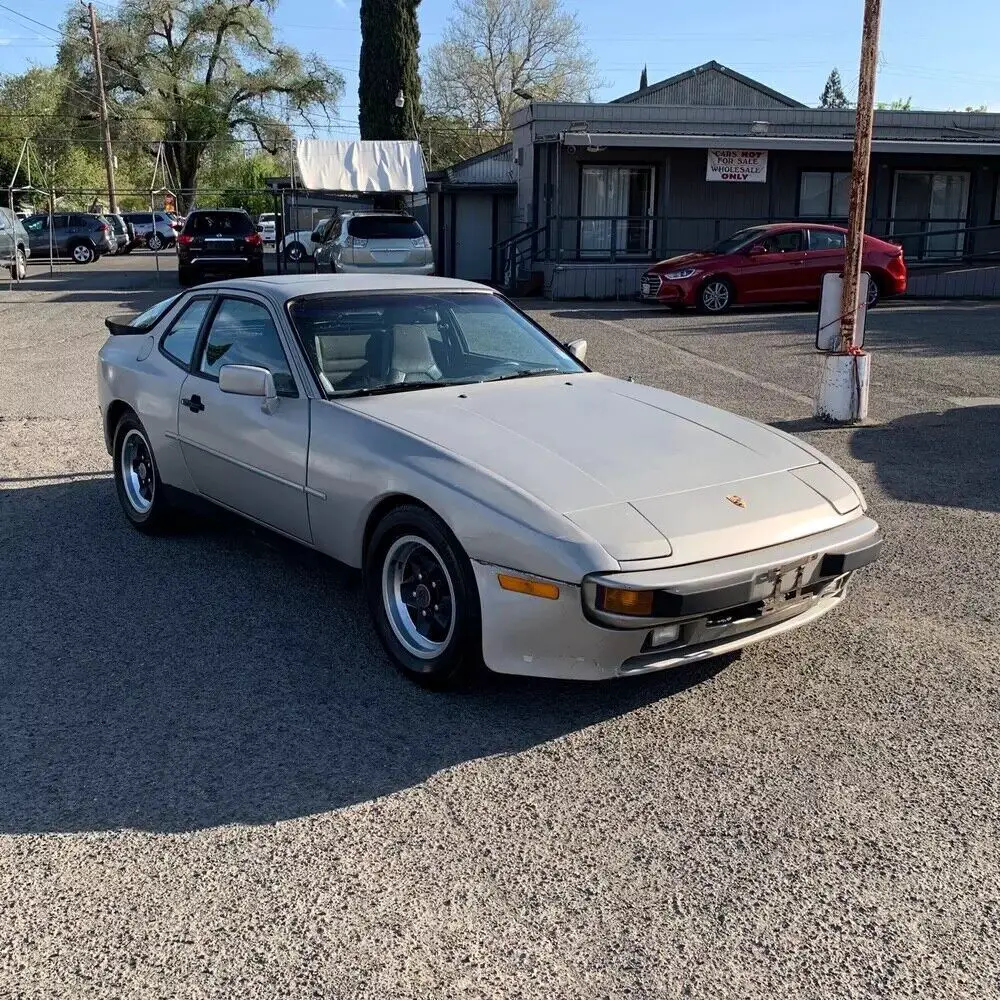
(363, 166)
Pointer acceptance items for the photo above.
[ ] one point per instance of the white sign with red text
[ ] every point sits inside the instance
(737, 165)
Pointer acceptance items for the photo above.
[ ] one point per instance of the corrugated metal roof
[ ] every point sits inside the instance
(549, 120)
(710, 84)
(495, 167)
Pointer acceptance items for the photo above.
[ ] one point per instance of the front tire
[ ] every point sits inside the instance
(295, 252)
(715, 297)
(137, 479)
(423, 599)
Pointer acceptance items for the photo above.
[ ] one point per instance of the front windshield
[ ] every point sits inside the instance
(395, 341)
(737, 240)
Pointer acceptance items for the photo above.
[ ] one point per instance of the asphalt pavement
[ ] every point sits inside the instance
(212, 784)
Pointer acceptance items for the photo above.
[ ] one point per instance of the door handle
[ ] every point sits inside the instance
(194, 403)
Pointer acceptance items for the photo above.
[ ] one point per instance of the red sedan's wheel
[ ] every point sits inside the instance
(716, 296)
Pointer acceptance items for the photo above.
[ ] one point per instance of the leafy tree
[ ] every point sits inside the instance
(447, 139)
(899, 104)
(390, 63)
(643, 79)
(496, 55)
(203, 70)
(833, 95)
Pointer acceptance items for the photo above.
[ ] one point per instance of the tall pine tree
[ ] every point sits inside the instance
(390, 38)
(643, 80)
(833, 95)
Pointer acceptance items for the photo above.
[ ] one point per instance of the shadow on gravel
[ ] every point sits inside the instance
(222, 676)
(950, 459)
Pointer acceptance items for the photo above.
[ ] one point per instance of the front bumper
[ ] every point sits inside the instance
(681, 292)
(720, 606)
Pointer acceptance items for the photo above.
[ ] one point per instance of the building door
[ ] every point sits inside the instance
(474, 236)
(929, 203)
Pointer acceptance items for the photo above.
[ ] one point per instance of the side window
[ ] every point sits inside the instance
(824, 239)
(787, 242)
(78, 221)
(243, 333)
(180, 339)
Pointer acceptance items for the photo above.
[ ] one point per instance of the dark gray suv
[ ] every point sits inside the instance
(14, 247)
(77, 235)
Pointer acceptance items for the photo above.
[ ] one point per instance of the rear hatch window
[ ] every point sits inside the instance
(385, 227)
(219, 224)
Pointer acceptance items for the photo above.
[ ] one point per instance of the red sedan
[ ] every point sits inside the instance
(777, 263)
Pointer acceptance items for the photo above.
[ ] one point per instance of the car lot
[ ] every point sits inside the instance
(213, 784)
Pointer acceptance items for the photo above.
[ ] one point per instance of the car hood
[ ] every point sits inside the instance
(684, 260)
(648, 474)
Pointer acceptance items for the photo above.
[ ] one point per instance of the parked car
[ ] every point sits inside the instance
(775, 263)
(507, 505)
(119, 231)
(77, 235)
(220, 241)
(302, 244)
(15, 249)
(155, 230)
(374, 243)
(267, 226)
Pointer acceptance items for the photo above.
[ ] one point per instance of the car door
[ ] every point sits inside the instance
(237, 454)
(37, 229)
(825, 253)
(780, 269)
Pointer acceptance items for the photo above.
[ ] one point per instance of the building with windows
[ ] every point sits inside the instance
(603, 189)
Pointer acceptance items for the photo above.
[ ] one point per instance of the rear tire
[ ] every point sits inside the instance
(155, 242)
(137, 479)
(19, 269)
(82, 253)
(423, 599)
(874, 293)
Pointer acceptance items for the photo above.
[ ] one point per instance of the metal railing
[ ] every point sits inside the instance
(639, 238)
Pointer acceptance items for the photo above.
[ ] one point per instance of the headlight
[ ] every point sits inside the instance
(684, 272)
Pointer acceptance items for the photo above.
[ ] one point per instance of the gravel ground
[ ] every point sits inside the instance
(213, 785)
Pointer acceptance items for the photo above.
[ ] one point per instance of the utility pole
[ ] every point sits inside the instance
(859, 171)
(109, 163)
(846, 368)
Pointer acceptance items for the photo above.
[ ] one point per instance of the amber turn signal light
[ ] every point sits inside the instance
(625, 602)
(533, 588)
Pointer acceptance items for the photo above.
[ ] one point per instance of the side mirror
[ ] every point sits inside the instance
(316, 236)
(249, 380)
(757, 250)
(260, 229)
(578, 348)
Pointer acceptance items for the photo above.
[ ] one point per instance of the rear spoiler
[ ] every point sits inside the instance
(120, 328)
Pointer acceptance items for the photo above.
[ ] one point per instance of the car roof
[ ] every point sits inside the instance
(282, 287)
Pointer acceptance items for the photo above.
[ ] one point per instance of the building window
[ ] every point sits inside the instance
(616, 204)
(929, 212)
(824, 194)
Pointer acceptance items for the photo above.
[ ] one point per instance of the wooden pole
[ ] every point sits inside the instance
(109, 163)
(859, 171)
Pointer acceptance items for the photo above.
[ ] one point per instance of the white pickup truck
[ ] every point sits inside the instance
(268, 227)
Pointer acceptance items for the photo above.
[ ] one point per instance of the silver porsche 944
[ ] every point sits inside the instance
(507, 505)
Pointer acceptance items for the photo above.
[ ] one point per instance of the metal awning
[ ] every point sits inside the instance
(362, 167)
(631, 140)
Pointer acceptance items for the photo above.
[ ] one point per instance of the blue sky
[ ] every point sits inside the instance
(929, 52)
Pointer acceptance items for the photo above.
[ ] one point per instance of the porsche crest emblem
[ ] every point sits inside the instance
(736, 501)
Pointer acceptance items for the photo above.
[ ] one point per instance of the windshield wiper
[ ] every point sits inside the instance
(385, 390)
(525, 373)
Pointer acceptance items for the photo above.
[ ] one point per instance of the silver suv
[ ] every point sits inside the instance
(374, 243)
